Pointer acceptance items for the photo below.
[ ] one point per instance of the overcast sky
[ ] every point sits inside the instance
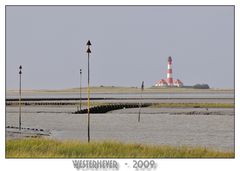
(130, 44)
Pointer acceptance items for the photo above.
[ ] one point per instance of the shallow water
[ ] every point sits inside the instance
(157, 126)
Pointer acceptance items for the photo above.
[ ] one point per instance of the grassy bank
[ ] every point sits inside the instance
(194, 105)
(45, 148)
(119, 89)
(175, 105)
(156, 105)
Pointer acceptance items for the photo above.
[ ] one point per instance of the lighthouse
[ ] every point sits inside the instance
(169, 82)
(169, 72)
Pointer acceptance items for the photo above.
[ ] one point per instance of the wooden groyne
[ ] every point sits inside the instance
(75, 101)
(110, 107)
(41, 103)
(108, 98)
(53, 99)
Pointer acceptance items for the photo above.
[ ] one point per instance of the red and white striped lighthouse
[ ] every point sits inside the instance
(169, 82)
(169, 72)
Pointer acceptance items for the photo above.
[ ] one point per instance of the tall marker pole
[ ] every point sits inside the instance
(140, 103)
(88, 52)
(20, 94)
(80, 91)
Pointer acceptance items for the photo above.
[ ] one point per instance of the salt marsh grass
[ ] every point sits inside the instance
(46, 148)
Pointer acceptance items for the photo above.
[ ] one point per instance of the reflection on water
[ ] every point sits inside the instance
(216, 131)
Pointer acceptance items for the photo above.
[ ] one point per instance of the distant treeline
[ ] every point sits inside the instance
(201, 86)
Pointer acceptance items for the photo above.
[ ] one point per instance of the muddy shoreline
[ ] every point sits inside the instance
(213, 127)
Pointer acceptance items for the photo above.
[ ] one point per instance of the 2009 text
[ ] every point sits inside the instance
(144, 164)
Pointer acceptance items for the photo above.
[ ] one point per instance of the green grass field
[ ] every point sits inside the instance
(117, 89)
(193, 105)
(174, 105)
(46, 148)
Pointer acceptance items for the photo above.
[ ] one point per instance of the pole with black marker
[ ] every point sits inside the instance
(140, 103)
(88, 52)
(20, 96)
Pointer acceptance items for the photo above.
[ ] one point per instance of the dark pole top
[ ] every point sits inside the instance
(89, 43)
(88, 50)
(20, 67)
(142, 87)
